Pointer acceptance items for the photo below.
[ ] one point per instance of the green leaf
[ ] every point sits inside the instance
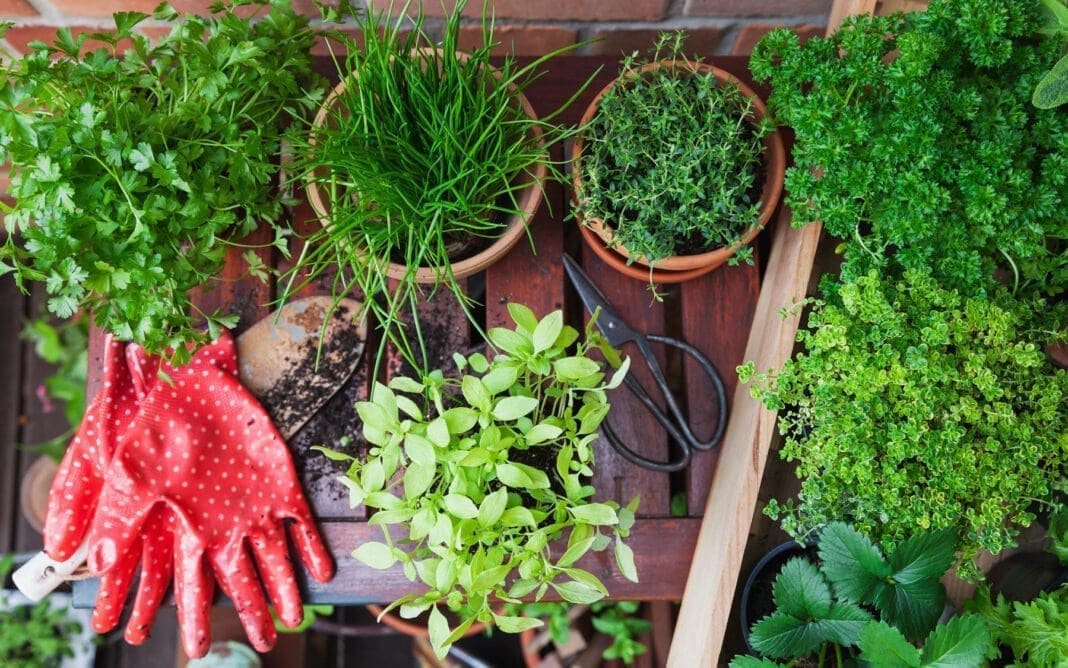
(521, 476)
(625, 561)
(913, 607)
(851, 562)
(406, 384)
(541, 433)
(438, 432)
(575, 368)
(513, 408)
(575, 552)
(461, 506)
(333, 454)
(438, 629)
(883, 646)
(961, 642)
(518, 516)
(516, 624)
(373, 415)
(1052, 89)
(142, 157)
(619, 375)
(125, 22)
(509, 341)
(523, 317)
(744, 661)
(492, 507)
(500, 379)
(927, 555)
(375, 554)
(801, 591)
(577, 592)
(547, 331)
(595, 513)
(419, 450)
(782, 636)
(475, 393)
(417, 479)
(460, 420)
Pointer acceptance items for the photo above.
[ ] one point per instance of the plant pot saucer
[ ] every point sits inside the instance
(33, 493)
(637, 271)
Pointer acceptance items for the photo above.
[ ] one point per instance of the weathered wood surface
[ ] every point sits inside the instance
(713, 313)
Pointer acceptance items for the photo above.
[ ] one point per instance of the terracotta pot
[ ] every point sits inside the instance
(531, 657)
(775, 170)
(638, 271)
(33, 492)
(515, 227)
(414, 627)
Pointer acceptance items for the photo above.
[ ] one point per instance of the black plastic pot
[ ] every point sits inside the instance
(757, 598)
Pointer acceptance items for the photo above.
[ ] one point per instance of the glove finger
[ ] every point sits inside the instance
(116, 530)
(76, 486)
(272, 559)
(157, 568)
(311, 549)
(193, 592)
(239, 581)
(114, 588)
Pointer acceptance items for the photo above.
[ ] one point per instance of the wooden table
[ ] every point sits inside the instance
(714, 313)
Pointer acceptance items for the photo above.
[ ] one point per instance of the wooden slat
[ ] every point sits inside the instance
(717, 560)
(12, 304)
(655, 543)
(717, 314)
(38, 424)
(840, 9)
(614, 477)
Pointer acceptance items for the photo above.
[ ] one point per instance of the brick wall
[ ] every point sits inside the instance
(529, 26)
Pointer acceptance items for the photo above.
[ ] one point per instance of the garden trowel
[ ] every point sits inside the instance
(293, 361)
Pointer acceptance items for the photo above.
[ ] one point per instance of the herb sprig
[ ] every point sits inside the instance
(133, 171)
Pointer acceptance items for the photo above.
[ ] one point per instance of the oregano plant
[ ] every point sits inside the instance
(485, 475)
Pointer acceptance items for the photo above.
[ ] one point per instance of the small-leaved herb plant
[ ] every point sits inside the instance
(36, 635)
(478, 476)
(858, 599)
(64, 346)
(134, 170)
(618, 620)
(916, 140)
(912, 407)
(422, 161)
(672, 161)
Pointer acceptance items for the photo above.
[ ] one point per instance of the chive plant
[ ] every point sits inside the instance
(423, 150)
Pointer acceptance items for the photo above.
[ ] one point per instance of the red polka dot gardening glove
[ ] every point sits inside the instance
(76, 490)
(202, 449)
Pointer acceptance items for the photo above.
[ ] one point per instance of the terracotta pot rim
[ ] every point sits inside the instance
(774, 168)
(410, 628)
(637, 271)
(514, 228)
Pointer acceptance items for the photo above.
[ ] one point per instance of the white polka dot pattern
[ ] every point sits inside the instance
(188, 477)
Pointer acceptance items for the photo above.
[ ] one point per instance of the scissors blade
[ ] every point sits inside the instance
(614, 328)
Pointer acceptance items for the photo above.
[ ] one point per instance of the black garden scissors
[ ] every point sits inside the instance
(617, 332)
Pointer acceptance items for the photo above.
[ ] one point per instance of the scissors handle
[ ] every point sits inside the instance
(675, 424)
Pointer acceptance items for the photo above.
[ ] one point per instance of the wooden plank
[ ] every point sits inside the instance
(614, 477)
(717, 560)
(655, 542)
(717, 314)
(13, 304)
(840, 9)
(39, 422)
(531, 276)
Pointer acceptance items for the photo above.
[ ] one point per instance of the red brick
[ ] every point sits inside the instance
(552, 10)
(701, 41)
(16, 8)
(109, 7)
(757, 7)
(520, 40)
(751, 34)
(20, 37)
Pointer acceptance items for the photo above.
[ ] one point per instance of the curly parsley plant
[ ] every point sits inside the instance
(483, 473)
(134, 172)
(917, 140)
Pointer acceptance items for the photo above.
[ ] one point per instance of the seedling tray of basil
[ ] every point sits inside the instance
(135, 171)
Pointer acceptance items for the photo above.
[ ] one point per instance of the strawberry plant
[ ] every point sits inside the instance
(134, 171)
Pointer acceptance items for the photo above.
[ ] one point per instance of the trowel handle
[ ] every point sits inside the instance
(42, 574)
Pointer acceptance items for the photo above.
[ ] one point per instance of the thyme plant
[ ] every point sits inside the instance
(672, 161)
